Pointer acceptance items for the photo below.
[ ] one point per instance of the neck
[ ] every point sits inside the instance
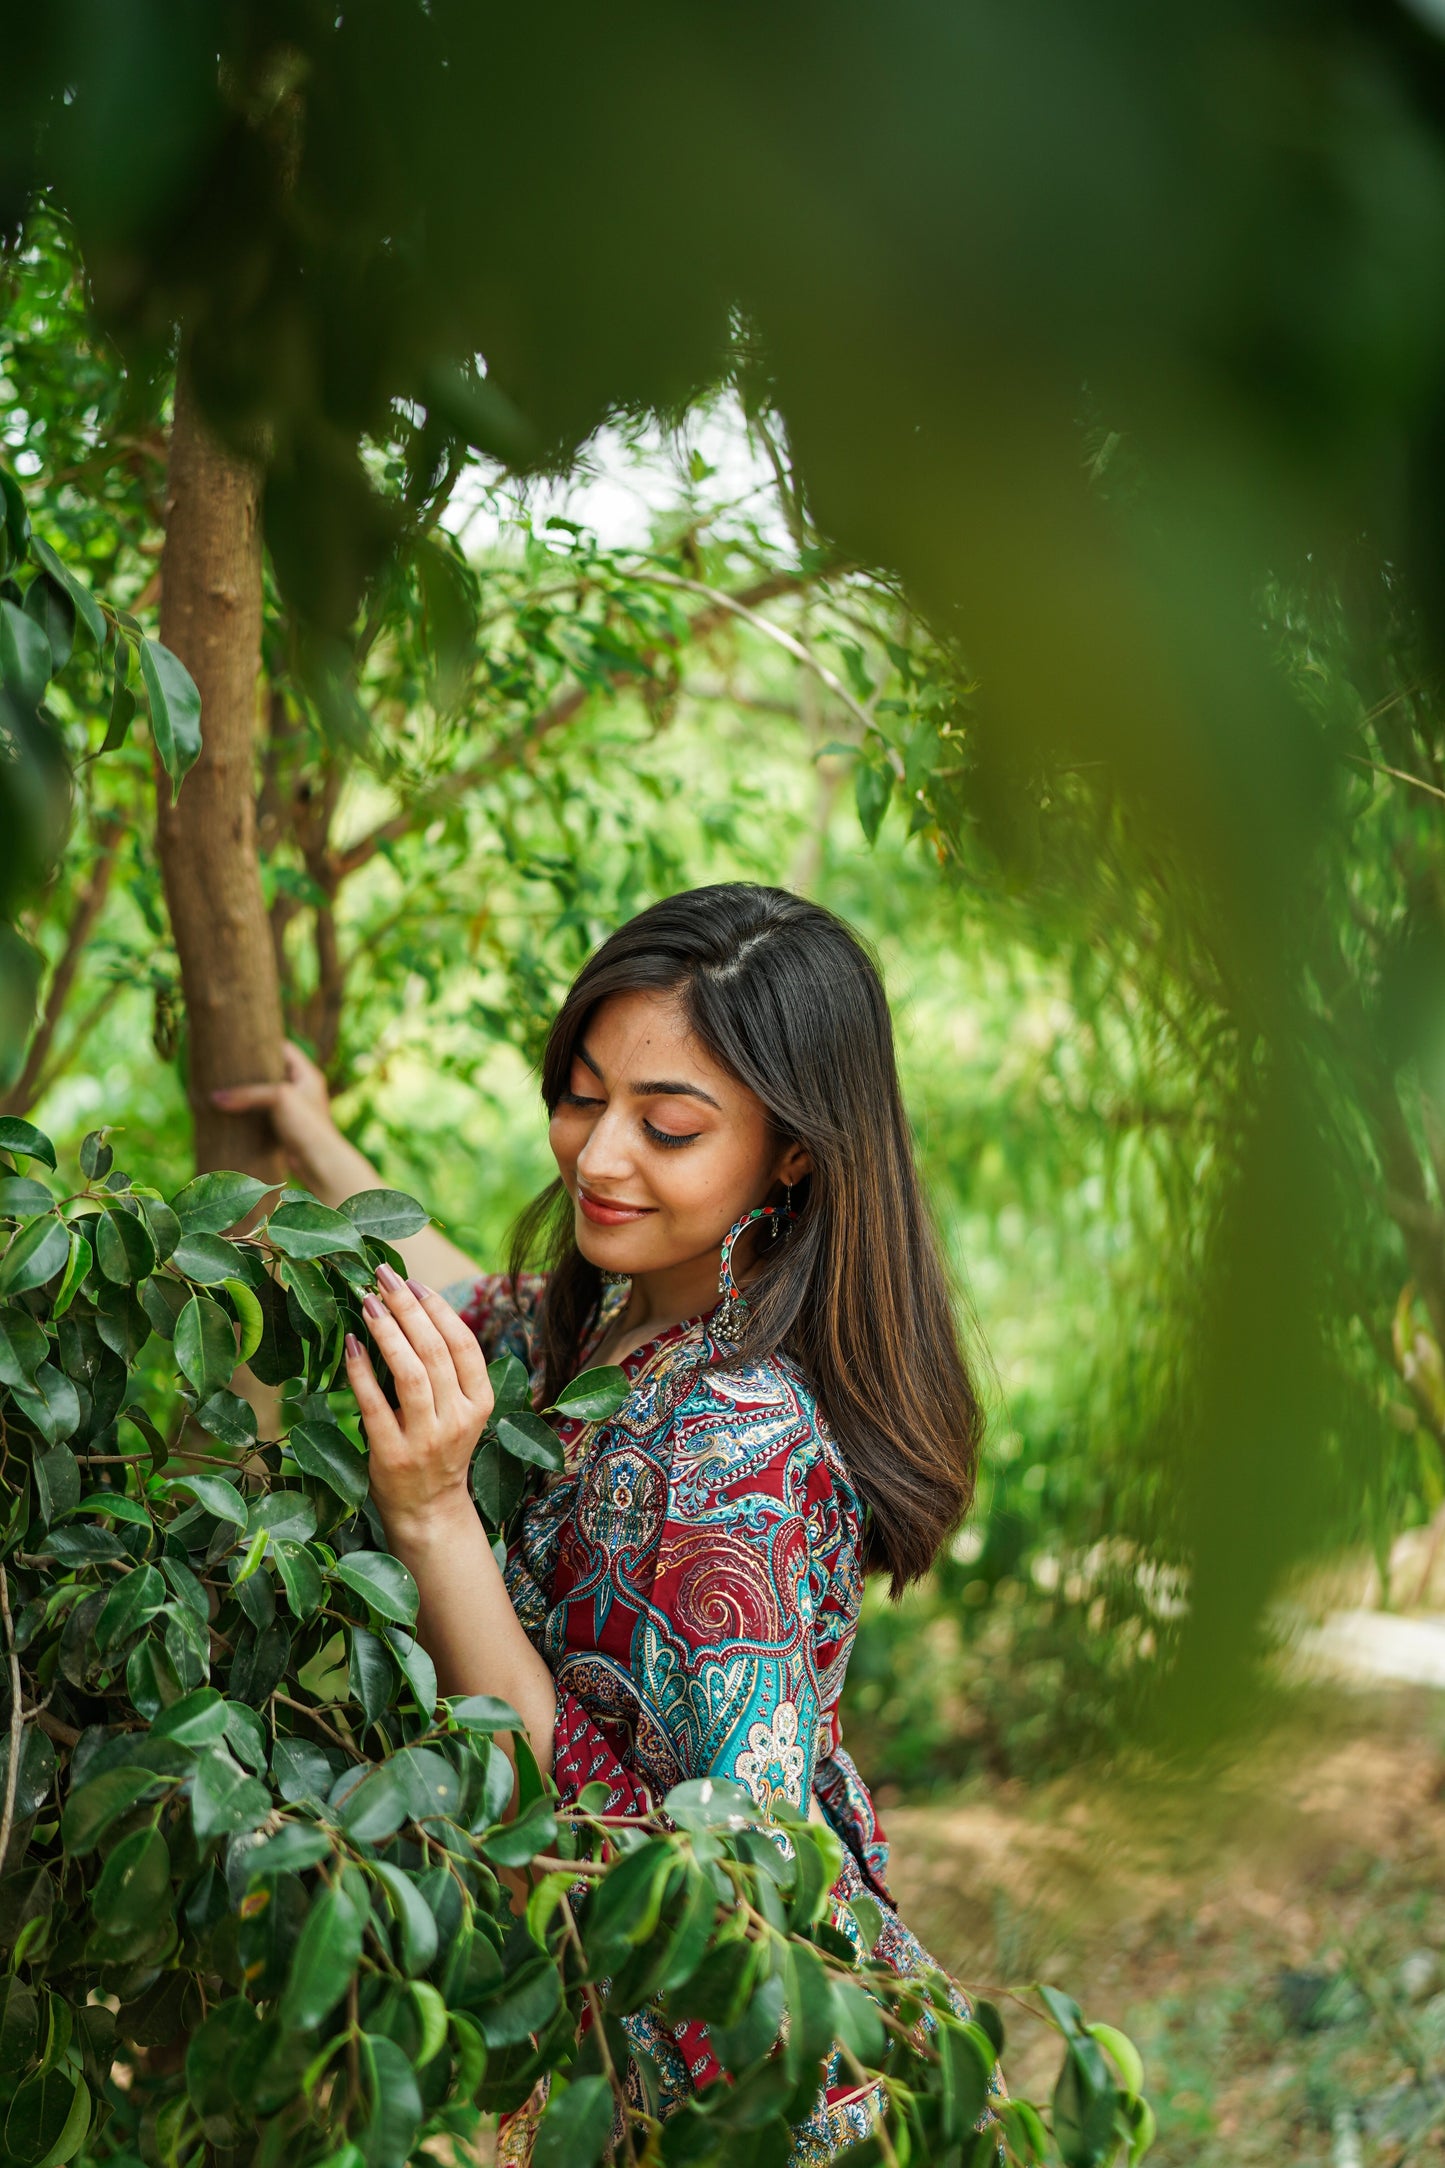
(660, 1299)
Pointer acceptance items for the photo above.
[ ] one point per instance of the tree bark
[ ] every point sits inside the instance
(211, 618)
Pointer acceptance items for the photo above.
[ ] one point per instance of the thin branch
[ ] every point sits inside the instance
(1382, 767)
(17, 1721)
(512, 749)
(321, 1724)
(89, 905)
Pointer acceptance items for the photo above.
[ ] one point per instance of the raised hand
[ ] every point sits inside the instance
(421, 1450)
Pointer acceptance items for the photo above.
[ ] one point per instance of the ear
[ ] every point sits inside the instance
(794, 1164)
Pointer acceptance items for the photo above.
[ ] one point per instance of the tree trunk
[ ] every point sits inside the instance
(211, 618)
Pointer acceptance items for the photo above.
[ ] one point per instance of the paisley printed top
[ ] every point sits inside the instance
(693, 1577)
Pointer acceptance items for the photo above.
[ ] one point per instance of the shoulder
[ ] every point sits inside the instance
(752, 1427)
(502, 1312)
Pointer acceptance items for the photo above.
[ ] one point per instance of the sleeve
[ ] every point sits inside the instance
(727, 1653)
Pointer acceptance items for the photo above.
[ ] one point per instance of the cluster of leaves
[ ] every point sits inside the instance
(256, 1881)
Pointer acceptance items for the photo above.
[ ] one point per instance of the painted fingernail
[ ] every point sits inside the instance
(419, 1288)
(353, 1345)
(372, 1308)
(389, 1279)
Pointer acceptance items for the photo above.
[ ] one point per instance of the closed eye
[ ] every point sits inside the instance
(575, 1099)
(671, 1137)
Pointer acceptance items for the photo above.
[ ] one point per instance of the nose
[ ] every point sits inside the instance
(606, 1158)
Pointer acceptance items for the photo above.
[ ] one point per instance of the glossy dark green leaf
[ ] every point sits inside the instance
(511, 1386)
(711, 1803)
(313, 1293)
(34, 1254)
(383, 1582)
(856, 2022)
(90, 1811)
(810, 2011)
(215, 2054)
(57, 1473)
(396, 2106)
(416, 1668)
(124, 1247)
(431, 1787)
(872, 787)
(205, 1342)
(575, 2126)
(48, 2119)
(519, 1841)
(132, 1602)
(387, 1214)
(325, 1960)
(414, 1916)
(324, 1451)
(95, 1155)
(36, 1779)
(205, 1258)
(751, 2035)
(196, 1720)
(19, 2032)
(165, 1227)
(23, 1140)
(298, 1846)
(300, 1576)
(82, 602)
(230, 1418)
(175, 710)
(21, 1197)
(77, 1267)
(134, 1888)
(594, 1395)
(484, 1712)
(48, 604)
(301, 1769)
(370, 1673)
(23, 1345)
(527, 1437)
(311, 1230)
(212, 1203)
(522, 2006)
(215, 1494)
(374, 1809)
(224, 1799)
(15, 532)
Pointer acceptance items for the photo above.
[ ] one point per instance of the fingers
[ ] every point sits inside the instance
(376, 1415)
(240, 1098)
(410, 1373)
(461, 1341)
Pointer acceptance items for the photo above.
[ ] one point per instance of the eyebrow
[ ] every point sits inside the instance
(657, 1088)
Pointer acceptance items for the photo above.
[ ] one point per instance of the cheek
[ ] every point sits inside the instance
(707, 1186)
(566, 1135)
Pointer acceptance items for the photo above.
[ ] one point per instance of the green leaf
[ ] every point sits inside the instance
(857, 2023)
(300, 1577)
(124, 1247)
(594, 1395)
(24, 660)
(375, 1808)
(514, 1844)
(132, 1603)
(23, 1345)
(81, 1258)
(87, 608)
(135, 1888)
(528, 1438)
(414, 1917)
(383, 1582)
(325, 1961)
(432, 2011)
(711, 1803)
(324, 1451)
(175, 707)
(205, 1258)
(431, 1786)
(312, 1230)
(215, 1494)
(48, 2119)
(416, 1668)
(396, 2109)
(292, 1849)
(523, 2004)
(1125, 2056)
(19, 2032)
(24, 1141)
(223, 1798)
(810, 2011)
(387, 1215)
(57, 1473)
(21, 1196)
(575, 2125)
(48, 604)
(212, 1203)
(484, 1712)
(230, 1418)
(205, 1343)
(196, 1720)
(872, 787)
(16, 532)
(370, 1673)
(35, 1780)
(34, 1254)
(250, 1316)
(90, 1811)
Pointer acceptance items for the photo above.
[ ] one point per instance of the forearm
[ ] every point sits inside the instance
(335, 1170)
(467, 1624)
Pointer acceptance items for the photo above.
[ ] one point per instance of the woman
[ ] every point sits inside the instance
(736, 1221)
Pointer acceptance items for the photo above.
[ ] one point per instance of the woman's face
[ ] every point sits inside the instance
(660, 1148)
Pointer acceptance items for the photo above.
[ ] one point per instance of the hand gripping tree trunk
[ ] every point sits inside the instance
(211, 618)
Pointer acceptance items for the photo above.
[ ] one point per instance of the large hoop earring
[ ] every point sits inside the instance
(731, 1315)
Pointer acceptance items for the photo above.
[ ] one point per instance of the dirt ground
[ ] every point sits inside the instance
(1273, 1938)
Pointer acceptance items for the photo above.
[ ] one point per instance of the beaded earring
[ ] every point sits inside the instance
(729, 1319)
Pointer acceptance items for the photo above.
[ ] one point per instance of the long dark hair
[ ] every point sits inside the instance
(787, 999)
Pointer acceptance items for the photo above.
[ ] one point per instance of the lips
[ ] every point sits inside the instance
(603, 1214)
